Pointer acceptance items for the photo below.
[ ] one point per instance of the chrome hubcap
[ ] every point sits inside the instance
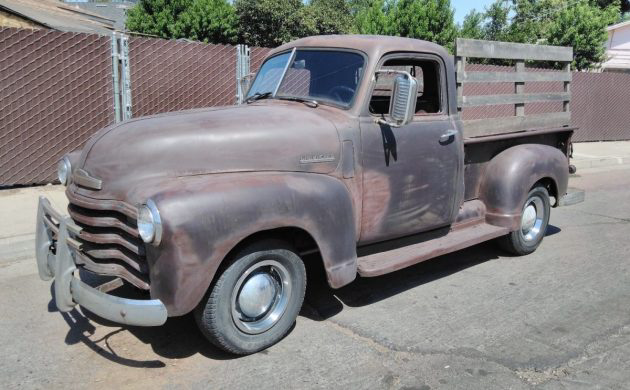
(257, 295)
(529, 218)
(261, 296)
(532, 219)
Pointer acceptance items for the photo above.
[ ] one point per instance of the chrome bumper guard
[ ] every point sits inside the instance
(58, 263)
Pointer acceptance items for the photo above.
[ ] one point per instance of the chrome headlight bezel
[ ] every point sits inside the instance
(64, 171)
(149, 223)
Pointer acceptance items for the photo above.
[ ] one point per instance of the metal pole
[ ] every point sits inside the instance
(239, 76)
(242, 71)
(116, 81)
(126, 77)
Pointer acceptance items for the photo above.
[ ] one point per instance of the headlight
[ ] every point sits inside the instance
(149, 223)
(64, 170)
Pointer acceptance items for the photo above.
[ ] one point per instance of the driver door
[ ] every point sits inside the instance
(411, 174)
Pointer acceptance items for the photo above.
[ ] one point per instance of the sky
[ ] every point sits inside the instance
(462, 7)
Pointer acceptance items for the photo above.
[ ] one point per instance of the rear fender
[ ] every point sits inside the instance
(511, 174)
(205, 217)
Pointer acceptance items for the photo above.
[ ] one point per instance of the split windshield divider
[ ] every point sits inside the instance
(286, 68)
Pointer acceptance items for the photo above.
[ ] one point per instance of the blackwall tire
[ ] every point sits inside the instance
(534, 222)
(255, 300)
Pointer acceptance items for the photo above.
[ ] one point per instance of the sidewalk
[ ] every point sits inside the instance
(600, 154)
(18, 210)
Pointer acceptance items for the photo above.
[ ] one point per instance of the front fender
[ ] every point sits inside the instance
(205, 217)
(511, 174)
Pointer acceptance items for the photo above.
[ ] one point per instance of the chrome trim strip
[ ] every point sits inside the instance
(82, 178)
(284, 72)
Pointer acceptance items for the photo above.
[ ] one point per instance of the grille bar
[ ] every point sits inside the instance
(100, 221)
(109, 240)
(136, 264)
(128, 242)
(111, 269)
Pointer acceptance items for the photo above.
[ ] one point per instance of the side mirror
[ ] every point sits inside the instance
(402, 105)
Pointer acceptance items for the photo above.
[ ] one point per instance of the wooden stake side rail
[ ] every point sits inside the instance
(467, 48)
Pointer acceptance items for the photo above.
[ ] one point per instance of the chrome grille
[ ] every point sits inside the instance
(110, 244)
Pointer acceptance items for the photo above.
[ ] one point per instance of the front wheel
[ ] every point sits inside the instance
(256, 299)
(534, 223)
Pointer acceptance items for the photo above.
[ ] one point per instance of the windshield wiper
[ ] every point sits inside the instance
(309, 102)
(258, 96)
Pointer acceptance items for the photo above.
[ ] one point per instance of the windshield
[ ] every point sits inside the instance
(326, 75)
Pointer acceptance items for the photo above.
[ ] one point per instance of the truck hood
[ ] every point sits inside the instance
(270, 136)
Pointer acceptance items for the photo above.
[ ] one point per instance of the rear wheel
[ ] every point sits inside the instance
(534, 221)
(256, 299)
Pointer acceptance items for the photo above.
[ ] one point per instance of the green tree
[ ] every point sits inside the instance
(472, 26)
(623, 5)
(372, 19)
(431, 20)
(271, 23)
(532, 18)
(583, 26)
(329, 17)
(203, 20)
(496, 27)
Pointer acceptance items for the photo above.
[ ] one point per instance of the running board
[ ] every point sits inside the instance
(381, 263)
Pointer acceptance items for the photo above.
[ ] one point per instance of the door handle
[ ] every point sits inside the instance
(446, 136)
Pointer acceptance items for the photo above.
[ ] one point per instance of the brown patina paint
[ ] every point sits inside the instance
(220, 175)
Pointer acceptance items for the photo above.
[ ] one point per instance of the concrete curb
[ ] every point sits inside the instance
(599, 162)
(591, 155)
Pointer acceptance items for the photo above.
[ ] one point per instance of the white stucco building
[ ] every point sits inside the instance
(618, 48)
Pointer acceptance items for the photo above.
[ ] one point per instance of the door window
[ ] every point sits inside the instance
(426, 72)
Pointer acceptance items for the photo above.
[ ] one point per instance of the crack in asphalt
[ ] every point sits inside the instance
(527, 374)
(622, 220)
(390, 348)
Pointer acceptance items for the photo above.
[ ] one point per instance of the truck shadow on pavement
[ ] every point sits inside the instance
(323, 302)
(180, 338)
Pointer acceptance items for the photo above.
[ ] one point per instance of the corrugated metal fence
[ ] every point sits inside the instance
(56, 90)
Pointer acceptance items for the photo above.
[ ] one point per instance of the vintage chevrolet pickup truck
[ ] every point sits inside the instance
(350, 147)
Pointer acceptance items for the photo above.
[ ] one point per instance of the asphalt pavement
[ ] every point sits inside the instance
(474, 319)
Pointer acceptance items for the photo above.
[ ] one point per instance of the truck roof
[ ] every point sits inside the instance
(372, 45)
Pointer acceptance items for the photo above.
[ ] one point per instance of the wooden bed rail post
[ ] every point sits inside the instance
(520, 53)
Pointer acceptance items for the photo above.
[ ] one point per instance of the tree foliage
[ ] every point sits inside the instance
(271, 23)
(274, 22)
(431, 20)
(472, 26)
(497, 21)
(578, 23)
(583, 27)
(203, 20)
(372, 18)
(325, 17)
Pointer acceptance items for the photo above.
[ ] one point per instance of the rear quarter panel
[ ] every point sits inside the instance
(511, 174)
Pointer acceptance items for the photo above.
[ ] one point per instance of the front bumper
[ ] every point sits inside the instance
(54, 250)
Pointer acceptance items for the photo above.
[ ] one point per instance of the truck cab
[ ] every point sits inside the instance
(351, 147)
